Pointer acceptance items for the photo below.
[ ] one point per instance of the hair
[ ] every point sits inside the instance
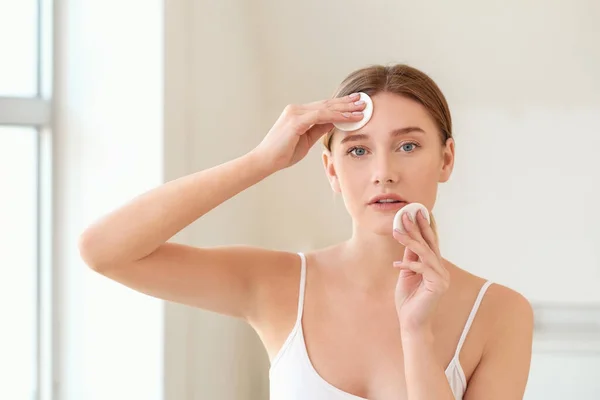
(405, 81)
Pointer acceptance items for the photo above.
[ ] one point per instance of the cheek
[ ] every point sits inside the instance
(423, 176)
(425, 164)
(351, 175)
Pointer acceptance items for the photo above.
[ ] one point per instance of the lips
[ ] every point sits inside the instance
(387, 198)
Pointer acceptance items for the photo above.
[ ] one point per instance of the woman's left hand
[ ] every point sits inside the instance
(422, 280)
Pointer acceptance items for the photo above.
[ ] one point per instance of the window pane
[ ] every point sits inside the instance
(18, 47)
(18, 271)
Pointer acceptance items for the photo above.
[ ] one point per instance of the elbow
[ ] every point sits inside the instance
(88, 253)
(95, 252)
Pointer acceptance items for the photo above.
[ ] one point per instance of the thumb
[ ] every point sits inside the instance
(315, 133)
(409, 255)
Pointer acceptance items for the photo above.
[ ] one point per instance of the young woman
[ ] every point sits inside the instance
(381, 315)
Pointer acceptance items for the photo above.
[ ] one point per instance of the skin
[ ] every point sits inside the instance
(374, 327)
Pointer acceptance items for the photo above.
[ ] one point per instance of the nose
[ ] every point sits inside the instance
(384, 172)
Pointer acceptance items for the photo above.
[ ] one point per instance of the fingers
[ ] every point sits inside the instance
(414, 241)
(343, 109)
(327, 116)
(421, 231)
(424, 228)
(348, 103)
(417, 247)
(417, 267)
(429, 273)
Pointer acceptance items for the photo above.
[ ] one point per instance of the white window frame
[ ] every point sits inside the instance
(36, 112)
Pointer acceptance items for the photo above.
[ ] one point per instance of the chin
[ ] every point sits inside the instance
(381, 227)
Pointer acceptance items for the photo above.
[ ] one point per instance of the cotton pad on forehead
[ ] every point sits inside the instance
(367, 113)
(411, 209)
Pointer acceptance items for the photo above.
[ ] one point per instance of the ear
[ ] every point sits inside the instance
(447, 160)
(330, 171)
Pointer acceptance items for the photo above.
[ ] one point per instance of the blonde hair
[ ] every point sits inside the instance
(402, 80)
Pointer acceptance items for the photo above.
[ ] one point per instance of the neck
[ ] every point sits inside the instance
(369, 259)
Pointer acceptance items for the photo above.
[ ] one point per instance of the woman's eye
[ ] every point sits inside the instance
(358, 151)
(408, 147)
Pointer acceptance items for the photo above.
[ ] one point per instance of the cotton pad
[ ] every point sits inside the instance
(367, 113)
(411, 209)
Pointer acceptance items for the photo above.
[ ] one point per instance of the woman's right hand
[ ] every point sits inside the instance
(299, 127)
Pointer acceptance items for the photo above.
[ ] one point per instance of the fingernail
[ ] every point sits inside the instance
(357, 112)
(359, 102)
(346, 114)
(354, 95)
(397, 263)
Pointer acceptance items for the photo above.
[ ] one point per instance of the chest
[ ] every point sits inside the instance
(356, 347)
(355, 352)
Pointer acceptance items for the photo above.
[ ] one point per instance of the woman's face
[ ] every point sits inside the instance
(397, 153)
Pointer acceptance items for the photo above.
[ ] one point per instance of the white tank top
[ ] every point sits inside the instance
(293, 377)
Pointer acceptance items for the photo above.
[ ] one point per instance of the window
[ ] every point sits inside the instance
(18, 42)
(18, 235)
(25, 274)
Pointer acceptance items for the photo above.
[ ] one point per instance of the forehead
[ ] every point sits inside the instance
(392, 111)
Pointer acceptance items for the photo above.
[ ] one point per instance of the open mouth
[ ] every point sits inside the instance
(387, 202)
(387, 198)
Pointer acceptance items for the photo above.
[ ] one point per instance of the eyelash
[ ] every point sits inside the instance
(350, 150)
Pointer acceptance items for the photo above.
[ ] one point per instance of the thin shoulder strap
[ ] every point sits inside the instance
(465, 331)
(302, 286)
(298, 325)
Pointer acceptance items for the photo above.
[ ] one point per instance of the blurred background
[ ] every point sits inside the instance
(102, 100)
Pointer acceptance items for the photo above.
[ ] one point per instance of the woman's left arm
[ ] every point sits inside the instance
(425, 377)
(503, 370)
(422, 281)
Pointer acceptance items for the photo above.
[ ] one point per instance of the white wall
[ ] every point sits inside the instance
(213, 113)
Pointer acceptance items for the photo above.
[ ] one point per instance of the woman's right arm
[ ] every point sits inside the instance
(129, 245)
(137, 229)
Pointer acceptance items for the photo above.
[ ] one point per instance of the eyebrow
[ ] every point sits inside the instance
(395, 132)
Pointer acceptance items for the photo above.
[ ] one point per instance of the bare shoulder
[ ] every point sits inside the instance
(506, 323)
(504, 312)
(277, 295)
(276, 279)
(240, 281)
(509, 307)
(511, 315)
(279, 273)
(501, 303)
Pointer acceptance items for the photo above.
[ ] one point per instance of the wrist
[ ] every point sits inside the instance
(422, 336)
(261, 164)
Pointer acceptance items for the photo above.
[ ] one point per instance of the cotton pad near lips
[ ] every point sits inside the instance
(411, 209)
(367, 113)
